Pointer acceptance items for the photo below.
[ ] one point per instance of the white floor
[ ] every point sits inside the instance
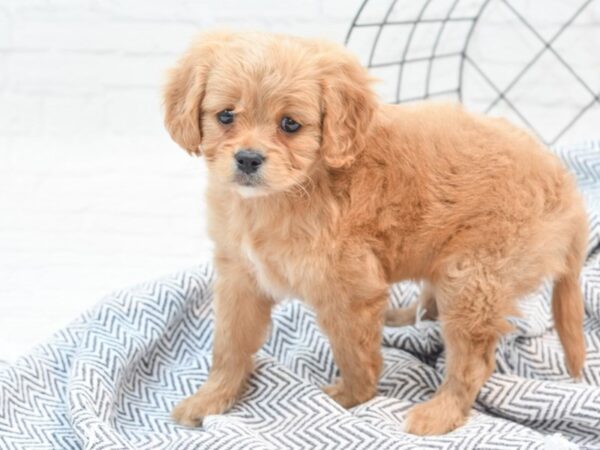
(80, 219)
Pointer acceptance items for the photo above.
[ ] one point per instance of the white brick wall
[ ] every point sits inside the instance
(93, 195)
(88, 65)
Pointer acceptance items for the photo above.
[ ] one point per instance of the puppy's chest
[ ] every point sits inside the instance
(276, 271)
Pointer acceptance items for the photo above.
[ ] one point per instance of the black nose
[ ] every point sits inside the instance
(248, 161)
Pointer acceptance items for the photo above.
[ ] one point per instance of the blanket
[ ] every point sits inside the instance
(110, 379)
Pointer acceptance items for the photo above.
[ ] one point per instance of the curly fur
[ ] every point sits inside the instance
(363, 195)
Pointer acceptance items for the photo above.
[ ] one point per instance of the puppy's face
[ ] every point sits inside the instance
(266, 110)
(261, 119)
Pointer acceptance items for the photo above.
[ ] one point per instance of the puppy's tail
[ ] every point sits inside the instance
(567, 304)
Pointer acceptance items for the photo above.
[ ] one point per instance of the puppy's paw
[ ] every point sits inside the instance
(433, 417)
(345, 397)
(192, 410)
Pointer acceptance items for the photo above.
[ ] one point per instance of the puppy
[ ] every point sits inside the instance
(318, 191)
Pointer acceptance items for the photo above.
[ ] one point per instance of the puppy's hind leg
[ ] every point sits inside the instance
(408, 316)
(473, 309)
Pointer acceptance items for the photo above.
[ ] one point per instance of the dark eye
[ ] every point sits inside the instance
(226, 116)
(289, 125)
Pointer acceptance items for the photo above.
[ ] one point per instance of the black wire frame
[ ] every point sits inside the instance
(465, 58)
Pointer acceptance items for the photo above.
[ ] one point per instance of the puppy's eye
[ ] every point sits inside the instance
(226, 116)
(289, 125)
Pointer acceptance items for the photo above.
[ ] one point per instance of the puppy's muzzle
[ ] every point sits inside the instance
(248, 161)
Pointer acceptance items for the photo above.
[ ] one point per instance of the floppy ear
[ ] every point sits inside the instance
(184, 91)
(348, 107)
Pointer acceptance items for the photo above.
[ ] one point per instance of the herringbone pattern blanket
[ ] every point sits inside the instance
(110, 379)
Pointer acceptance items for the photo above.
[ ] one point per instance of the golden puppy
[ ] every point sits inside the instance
(318, 191)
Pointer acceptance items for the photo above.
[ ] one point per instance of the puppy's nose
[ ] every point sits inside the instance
(248, 161)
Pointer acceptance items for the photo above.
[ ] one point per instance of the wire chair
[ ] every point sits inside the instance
(435, 41)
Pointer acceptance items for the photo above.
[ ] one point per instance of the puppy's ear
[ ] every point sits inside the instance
(184, 91)
(347, 108)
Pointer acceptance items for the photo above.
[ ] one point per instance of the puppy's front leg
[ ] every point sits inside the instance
(242, 317)
(354, 331)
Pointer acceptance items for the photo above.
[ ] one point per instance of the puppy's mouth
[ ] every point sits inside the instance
(247, 180)
(249, 185)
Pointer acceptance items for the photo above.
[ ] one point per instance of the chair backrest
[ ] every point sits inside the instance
(535, 62)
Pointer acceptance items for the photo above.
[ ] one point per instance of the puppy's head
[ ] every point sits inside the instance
(266, 110)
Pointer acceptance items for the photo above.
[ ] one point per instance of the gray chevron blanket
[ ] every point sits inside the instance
(109, 380)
